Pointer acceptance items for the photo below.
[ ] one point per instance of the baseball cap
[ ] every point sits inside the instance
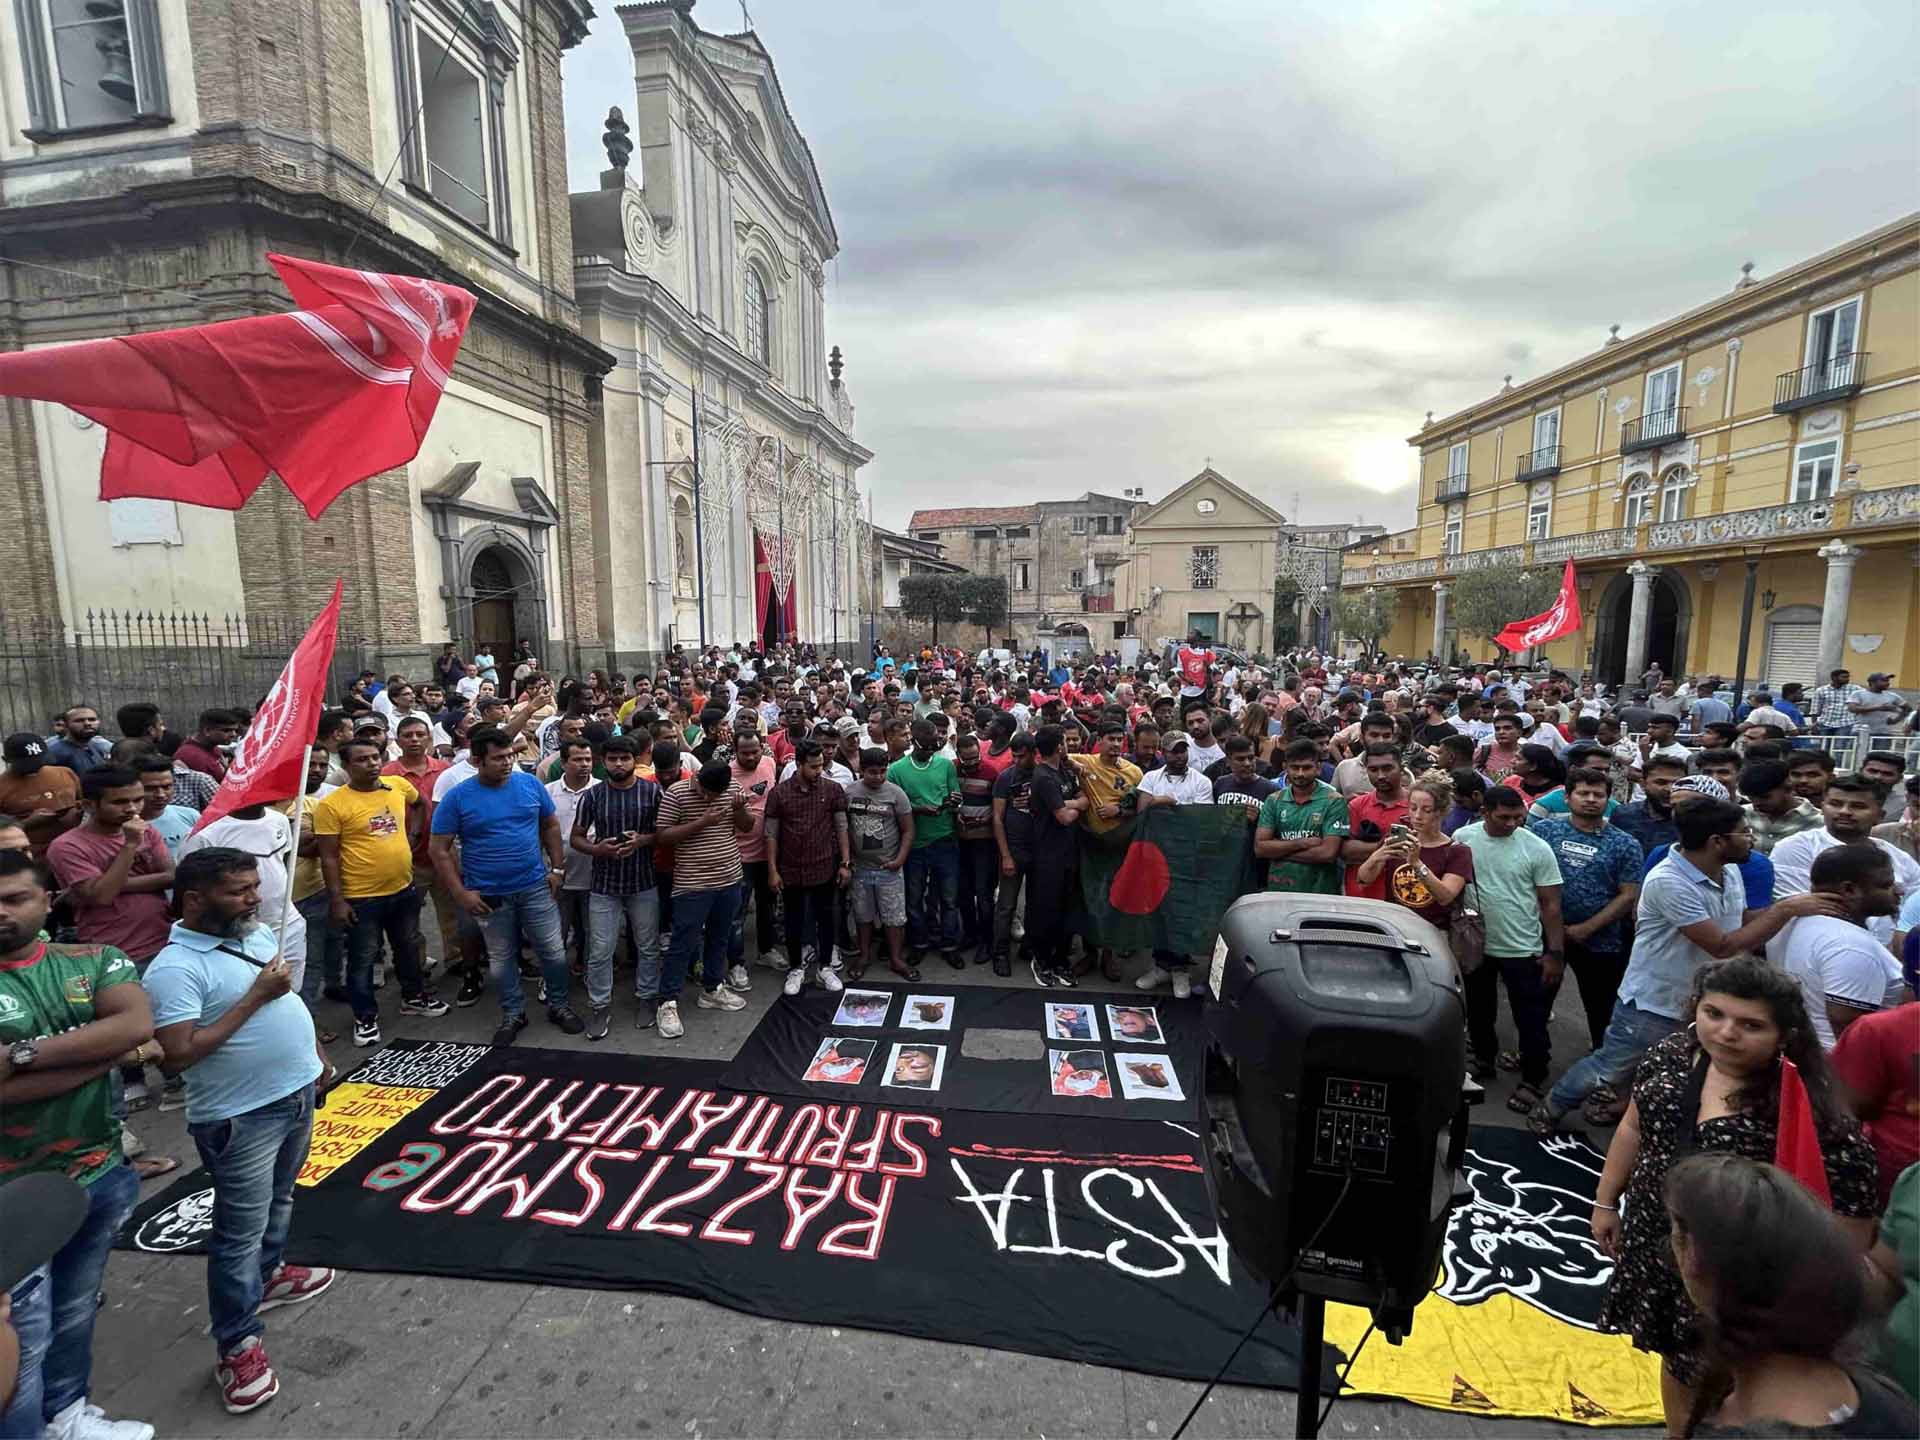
(39, 1213)
(26, 750)
(1702, 785)
(846, 725)
(1877, 675)
(1175, 737)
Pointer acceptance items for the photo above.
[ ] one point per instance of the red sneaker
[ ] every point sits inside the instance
(245, 1377)
(291, 1284)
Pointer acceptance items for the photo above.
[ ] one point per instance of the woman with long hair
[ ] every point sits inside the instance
(1426, 871)
(1714, 1087)
(1774, 1336)
(1253, 725)
(1537, 771)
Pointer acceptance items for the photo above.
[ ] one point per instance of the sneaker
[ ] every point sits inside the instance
(425, 1003)
(1042, 976)
(599, 1022)
(1109, 965)
(528, 970)
(719, 998)
(670, 1026)
(366, 1032)
(1002, 966)
(542, 996)
(739, 979)
(796, 978)
(294, 1285)
(173, 1095)
(510, 1028)
(85, 1421)
(245, 1377)
(1182, 984)
(829, 980)
(952, 957)
(138, 1097)
(472, 986)
(131, 1145)
(646, 1013)
(564, 1018)
(1155, 977)
(1065, 978)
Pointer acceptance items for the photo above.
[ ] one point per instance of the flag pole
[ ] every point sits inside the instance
(299, 823)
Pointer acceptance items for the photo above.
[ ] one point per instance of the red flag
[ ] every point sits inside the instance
(1796, 1149)
(267, 765)
(326, 395)
(1560, 618)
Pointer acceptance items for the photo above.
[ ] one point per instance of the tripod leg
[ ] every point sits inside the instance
(1313, 1325)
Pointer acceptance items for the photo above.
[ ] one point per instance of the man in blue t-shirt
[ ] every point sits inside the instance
(1600, 868)
(508, 871)
(225, 1016)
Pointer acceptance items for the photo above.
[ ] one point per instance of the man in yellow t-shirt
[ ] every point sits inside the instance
(1108, 777)
(365, 831)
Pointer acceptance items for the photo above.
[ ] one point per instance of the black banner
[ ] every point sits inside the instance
(1091, 1241)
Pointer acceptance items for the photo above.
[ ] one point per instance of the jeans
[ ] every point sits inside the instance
(813, 912)
(397, 916)
(979, 879)
(254, 1158)
(532, 915)
(642, 914)
(54, 1307)
(326, 946)
(1006, 901)
(702, 925)
(1599, 974)
(1630, 1034)
(1531, 1002)
(576, 923)
(446, 915)
(933, 895)
(766, 909)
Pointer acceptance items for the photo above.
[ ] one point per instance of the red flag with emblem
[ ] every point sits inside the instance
(269, 763)
(325, 395)
(1796, 1146)
(1560, 618)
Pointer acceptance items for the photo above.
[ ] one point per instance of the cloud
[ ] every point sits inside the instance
(1092, 247)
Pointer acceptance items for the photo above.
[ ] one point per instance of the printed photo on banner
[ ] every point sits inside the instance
(1072, 1022)
(915, 1067)
(840, 1061)
(1081, 1074)
(863, 1007)
(1148, 1077)
(928, 1012)
(1134, 1025)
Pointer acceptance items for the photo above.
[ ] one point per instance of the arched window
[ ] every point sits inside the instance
(1673, 494)
(758, 316)
(1639, 501)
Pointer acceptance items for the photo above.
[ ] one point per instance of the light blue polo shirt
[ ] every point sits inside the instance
(266, 1059)
(1676, 893)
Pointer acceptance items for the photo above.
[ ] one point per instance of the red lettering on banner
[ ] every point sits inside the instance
(799, 1215)
(764, 1111)
(592, 1134)
(423, 1199)
(484, 1098)
(914, 1168)
(716, 1228)
(805, 1120)
(838, 1123)
(590, 1182)
(718, 1170)
(652, 1128)
(504, 1127)
(874, 1227)
(556, 1122)
(708, 1112)
(619, 1221)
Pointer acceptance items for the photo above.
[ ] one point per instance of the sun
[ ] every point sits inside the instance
(1383, 462)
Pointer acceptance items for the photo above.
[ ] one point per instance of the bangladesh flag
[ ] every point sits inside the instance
(1164, 879)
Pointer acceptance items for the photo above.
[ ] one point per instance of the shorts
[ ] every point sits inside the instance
(884, 891)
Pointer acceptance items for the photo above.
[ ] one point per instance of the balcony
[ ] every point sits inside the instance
(1652, 430)
(1837, 379)
(1451, 487)
(1097, 598)
(1537, 464)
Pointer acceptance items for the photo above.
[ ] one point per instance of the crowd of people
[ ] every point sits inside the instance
(930, 810)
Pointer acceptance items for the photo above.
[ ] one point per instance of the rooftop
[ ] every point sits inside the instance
(968, 515)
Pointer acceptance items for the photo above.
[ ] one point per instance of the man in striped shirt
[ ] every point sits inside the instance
(702, 817)
(615, 824)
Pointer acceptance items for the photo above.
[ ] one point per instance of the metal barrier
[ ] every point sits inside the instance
(1847, 750)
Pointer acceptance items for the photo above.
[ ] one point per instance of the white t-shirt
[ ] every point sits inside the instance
(835, 771)
(1837, 960)
(566, 805)
(269, 840)
(469, 686)
(454, 774)
(1192, 788)
(1793, 871)
(1199, 757)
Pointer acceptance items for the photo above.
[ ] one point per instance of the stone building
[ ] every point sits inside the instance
(1203, 559)
(152, 153)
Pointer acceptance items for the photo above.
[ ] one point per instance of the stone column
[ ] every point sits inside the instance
(1440, 593)
(1840, 558)
(1638, 618)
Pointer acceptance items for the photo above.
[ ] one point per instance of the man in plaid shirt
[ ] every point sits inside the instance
(1832, 702)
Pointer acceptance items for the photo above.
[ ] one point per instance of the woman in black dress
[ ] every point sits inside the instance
(1713, 1087)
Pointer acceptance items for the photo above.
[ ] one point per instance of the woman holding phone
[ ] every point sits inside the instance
(1425, 870)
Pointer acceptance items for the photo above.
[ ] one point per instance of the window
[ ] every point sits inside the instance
(1832, 337)
(1661, 414)
(457, 82)
(756, 317)
(1813, 470)
(1639, 501)
(1206, 507)
(1539, 515)
(986, 534)
(1450, 542)
(1673, 496)
(1022, 575)
(1079, 524)
(933, 535)
(1076, 579)
(1205, 624)
(1457, 461)
(91, 65)
(1546, 432)
(1205, 567)
(455, 131)
(1099, 524)
(1019, 532)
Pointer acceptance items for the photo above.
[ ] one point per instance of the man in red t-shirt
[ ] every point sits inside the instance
(420, 768)
(1193, 663)
(1878, 1060)
(204, 750)
(1373, 815)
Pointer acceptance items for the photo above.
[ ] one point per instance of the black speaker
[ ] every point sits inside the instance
(1337, 1048)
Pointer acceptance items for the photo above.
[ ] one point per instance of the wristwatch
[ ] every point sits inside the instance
(23, 1054)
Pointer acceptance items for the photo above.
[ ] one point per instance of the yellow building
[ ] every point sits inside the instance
(1772, 431)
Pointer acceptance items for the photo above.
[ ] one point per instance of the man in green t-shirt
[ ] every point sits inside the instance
(933, 865)
(1301, 827)
(68, 1015)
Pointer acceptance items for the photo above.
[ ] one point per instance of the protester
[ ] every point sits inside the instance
(614, 825)
(43, 797)
(1372, 817)
(1843, 972)
(1774, 811)
(979, 856)
(1301, 827)
(932, 785)
(702, 817)
(205, 750)
(755, 773)
(1051, 869)
(1649, 820)
(880, 838)
(1419, 865)
(1600, 867)
(1849, 811)
(577, 764)
(1877, 1060)
(808, 863)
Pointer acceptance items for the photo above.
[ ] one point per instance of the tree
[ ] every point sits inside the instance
(1366, 615)
(983, 601)
(1485, 602)
(934, 598)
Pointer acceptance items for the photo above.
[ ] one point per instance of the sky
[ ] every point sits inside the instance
(1096, 245)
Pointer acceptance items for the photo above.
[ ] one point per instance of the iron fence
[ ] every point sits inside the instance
(182, 662)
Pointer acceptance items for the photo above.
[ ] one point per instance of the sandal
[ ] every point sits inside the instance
(152, 1167)
(1604, 1107)
(1541, 1122)
(856, 972)
(1508, 1060)
(911, 972)
(1525, 1100)
(327, 1037)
